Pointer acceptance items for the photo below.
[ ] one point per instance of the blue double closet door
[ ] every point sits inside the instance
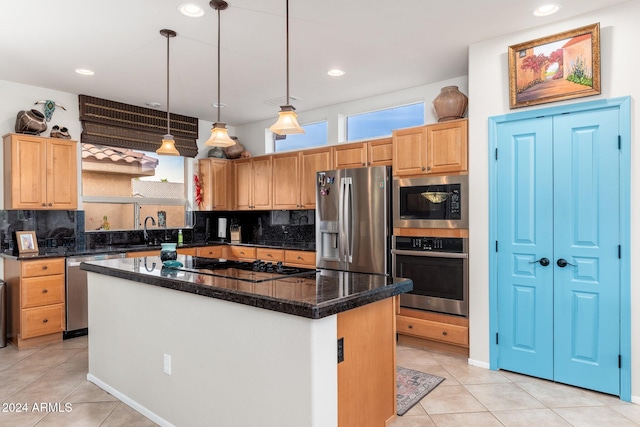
(558, 244)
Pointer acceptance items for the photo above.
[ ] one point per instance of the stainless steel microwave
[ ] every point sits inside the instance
(431, 202)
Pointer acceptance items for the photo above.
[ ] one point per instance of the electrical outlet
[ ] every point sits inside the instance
(167, 364)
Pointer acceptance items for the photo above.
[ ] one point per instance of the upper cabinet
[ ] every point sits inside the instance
(294, 177)
(432, 149)
(253, 183)
(40, 173)
(216, 183)
(361, 154)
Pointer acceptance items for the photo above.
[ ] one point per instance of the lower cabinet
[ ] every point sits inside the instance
(435, 330)
(36, 308)
(302, 259)
(208, 251)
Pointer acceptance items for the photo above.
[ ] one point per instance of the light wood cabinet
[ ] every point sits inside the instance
(36, 301)
(311, 162)
(378, 152)
(294, 177)
(241, 253)
(303, 259)
(210, 252)
(216, 184)
(447, 147)
(270, 255)
(433, 149)
(253, 181)
(447, 332)
(40, 173)
(286, 182)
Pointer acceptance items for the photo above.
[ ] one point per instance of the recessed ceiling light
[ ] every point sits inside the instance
(85, 72)
(335, 72)
(152, 104)
(191, 10)
(546, 9)
(221, 105)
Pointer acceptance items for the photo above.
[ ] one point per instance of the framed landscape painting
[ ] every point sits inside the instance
(555, 68)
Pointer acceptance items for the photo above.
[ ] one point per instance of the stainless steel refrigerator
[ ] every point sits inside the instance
(353, 220)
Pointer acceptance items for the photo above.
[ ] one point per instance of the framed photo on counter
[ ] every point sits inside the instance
(27, 242)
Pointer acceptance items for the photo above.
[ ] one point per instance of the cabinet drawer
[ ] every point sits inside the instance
(273, 255)
(210, 252)
(42, 267)
(242, 252)
(302, 258)
(437, 331)
(187, 251)
(37, 291)
(42, 321)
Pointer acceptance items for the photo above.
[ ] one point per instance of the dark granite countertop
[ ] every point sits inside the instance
(329, 292)
(113, 249)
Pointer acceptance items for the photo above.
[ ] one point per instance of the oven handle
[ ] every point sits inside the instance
(430, 254)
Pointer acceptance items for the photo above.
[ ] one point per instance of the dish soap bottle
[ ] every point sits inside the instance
(180, 237)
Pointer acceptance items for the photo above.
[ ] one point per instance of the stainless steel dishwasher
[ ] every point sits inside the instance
(76, 294)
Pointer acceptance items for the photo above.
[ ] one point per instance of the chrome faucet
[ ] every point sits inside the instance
(144, 229)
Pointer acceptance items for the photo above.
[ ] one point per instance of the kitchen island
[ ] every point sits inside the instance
(186, 347)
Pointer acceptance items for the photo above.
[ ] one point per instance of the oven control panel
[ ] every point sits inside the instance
(438, 244)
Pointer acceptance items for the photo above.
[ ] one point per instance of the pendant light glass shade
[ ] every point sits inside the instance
(287, 122)
(168, 147)
(219, 134)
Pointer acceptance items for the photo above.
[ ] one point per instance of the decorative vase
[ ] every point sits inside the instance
(31, 122)
(450, 104)
(168, 252)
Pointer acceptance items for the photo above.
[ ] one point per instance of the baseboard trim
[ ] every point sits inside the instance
(129, 402)
(478, 363)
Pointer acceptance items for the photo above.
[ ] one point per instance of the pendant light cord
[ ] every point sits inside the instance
(168, 116)
(219, 106)
(287, 35)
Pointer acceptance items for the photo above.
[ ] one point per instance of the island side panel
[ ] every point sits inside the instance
(231, 364)
(367, 376)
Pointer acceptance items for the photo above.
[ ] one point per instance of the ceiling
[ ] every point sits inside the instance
(383, 46)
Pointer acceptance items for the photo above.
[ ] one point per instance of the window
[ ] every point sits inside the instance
(121, 187)
(380, 123)
(315, 135)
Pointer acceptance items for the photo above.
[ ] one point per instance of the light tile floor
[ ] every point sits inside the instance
(470, 396)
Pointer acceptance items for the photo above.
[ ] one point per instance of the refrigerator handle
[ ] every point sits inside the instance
(348, 220)
(341, 221)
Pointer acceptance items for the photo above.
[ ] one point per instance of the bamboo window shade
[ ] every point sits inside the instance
(121, 125)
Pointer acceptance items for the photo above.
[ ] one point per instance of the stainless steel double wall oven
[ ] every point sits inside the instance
(438, 266)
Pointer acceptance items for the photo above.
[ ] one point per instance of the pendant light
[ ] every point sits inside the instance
(219, 134)
(168, 147)
(287, 122)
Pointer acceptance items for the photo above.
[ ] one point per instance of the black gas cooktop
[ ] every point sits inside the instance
(257, 271)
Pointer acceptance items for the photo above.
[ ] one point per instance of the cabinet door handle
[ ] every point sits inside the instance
(44, 205)
(299, 257)
(45, 320)
(44, 291)
(423, 168)
(410, 326)
(44, 267)
(428, 168)
(444, 332)
(50, 204)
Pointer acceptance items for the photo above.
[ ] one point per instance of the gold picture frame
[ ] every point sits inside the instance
(555, 68)
(27, 242)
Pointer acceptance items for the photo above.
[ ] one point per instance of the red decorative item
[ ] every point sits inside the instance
(199, 191)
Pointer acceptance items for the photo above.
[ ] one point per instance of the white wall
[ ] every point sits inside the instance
(16, 97)
(252, 135)
(489, 96)
(231, 364)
